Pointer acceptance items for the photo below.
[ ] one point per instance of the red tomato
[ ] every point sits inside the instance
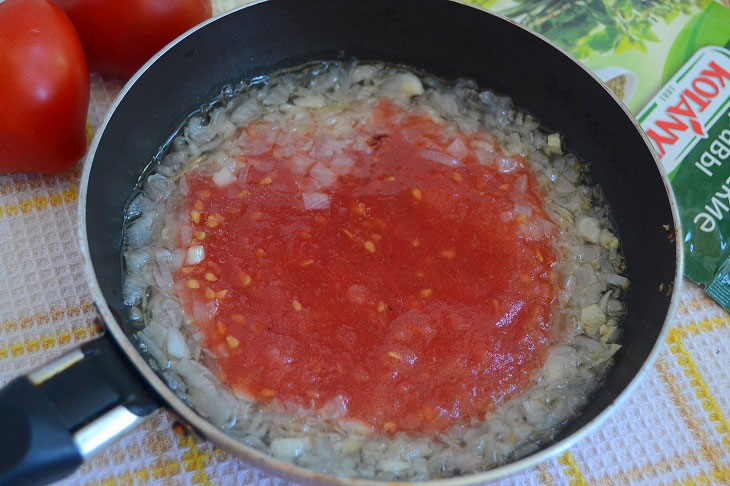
(121, 35)
(44, 88)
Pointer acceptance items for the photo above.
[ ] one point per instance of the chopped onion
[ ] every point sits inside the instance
(135, 314)
(439, 157)
(176, 346)
(406, 83)
(164, 311)
(204, 310)
(603, 303)
(334, 409)
(324, 149)
(255, 146)
(304, 144)
(411, 136)
(286, 150)
(308, 184)
(554, 144)
(354, 426)
(196, 254)
(618, 281)
(392, 465)
(265, 166)
(261, 139)
(300, 163)
(482, 144)
(162, 256)
(446, 103)
(194, 149)
(341, 164)
(186, 232)
(315, 200)
(468, 124)
(223, 177)
(283, 139)
(183, 186)
(243, 173)
(521, 183)
(177, 259)
(137, 205)
(289, 448)
(136, 260)
(225, 129)
(139, 231)
(537, 228)
(133, 290)
(348, 446)
(157, 187)
(592, 317)
(199, 133)
(534, 411)
(608, 240)
(153, 348)
(615, 307)
(457, 149)
(564, 186)
(163, 277)
(560, 363)
(172, 162)
(363, 73)
(222, 159)
(485, 158)
(313, 101)
(589, 228)
(323, 174)
(523, 209)
(278, 95)
(588, 253)
(506, 164)
(246, 112)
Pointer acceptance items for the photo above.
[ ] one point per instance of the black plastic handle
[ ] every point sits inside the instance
(47, 416)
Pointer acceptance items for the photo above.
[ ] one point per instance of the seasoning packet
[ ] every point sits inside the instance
(688, 123)
(634, 46)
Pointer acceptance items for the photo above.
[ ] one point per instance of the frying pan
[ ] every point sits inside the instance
(54, 417)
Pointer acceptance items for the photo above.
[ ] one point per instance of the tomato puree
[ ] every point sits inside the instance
(419, 298)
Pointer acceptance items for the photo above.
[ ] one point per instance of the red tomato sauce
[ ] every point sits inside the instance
(412, 297)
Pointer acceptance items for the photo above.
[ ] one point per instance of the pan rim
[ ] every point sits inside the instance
(206, 429)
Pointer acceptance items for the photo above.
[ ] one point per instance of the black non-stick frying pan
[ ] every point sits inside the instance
(53, 418)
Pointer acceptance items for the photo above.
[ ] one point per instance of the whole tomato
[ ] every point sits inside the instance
(121, 35)
(44, 88)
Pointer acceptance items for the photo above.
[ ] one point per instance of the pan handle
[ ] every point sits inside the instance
(61, 413)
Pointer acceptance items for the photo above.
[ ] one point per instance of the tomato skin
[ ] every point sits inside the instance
(44, 88)
(120, 36)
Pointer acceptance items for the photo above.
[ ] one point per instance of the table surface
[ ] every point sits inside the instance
(674, 430)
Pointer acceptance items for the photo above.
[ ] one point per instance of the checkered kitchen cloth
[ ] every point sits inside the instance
(674, 430)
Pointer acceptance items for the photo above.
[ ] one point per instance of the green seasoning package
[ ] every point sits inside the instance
(688, 123)
(635, 46)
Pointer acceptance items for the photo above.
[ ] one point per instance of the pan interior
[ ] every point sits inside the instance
(445, 38)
